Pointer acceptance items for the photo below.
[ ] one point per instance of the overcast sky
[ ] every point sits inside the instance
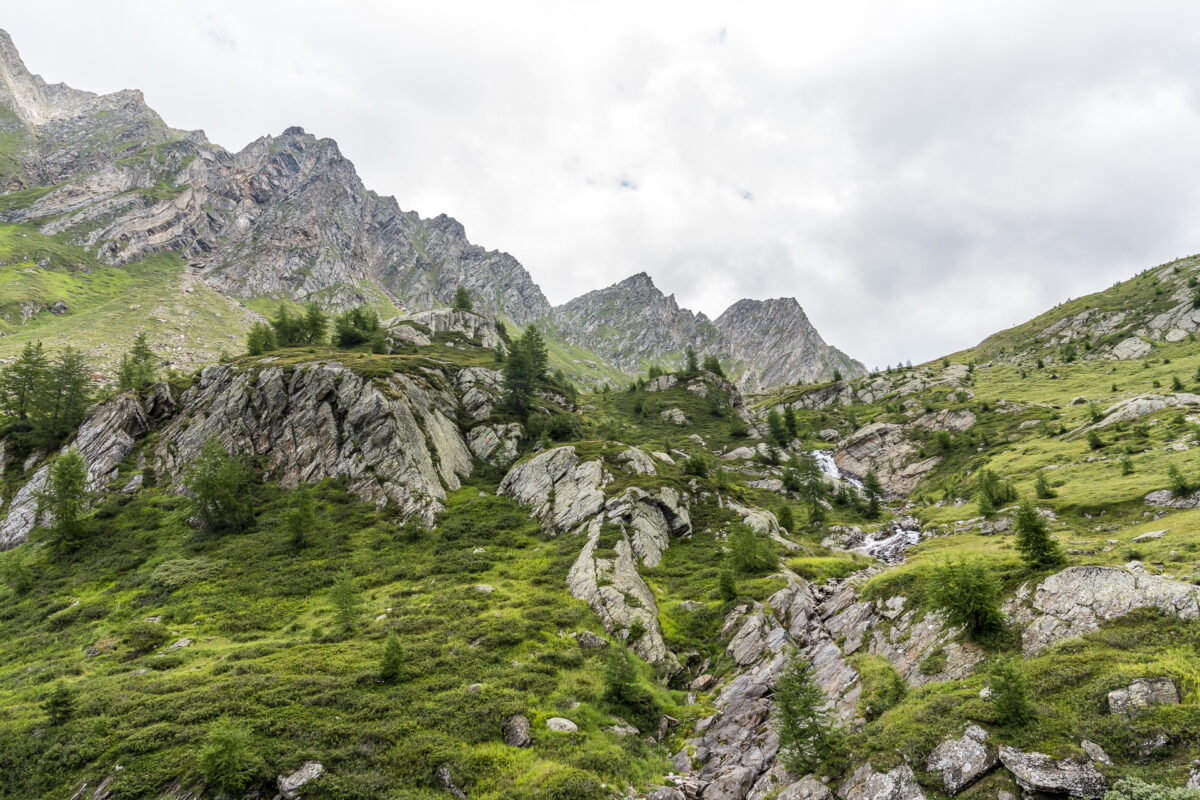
(918, 175)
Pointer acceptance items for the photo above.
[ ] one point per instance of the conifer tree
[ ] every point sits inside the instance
(691, 364)
(136, 370)
(807, 737)
(65, 498)
(391, 664)
(23, 382)
(221, 485)
(874, 491)
(1037, 547)
(316, 323)
(462, 299)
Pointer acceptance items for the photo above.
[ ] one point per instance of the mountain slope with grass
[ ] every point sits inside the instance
(412, 587)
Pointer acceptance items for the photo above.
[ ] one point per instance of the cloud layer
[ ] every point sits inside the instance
(918, 175)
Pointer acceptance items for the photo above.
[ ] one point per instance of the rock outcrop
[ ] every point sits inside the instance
(1078, 599)
(394, 438)
(865, 783)
(961, 762)
(563, 492)
(1036, 772)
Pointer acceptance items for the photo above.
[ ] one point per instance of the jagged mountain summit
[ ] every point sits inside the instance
(767, 342)
(288, 218)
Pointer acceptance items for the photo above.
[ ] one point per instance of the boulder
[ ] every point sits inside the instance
(1141, 695)
(665, 793)
(590, 641)
(733, 785)
(290, 785)
(807, 788)
(636, 462)
(865, 783)
(518, 732)
(1131, 348)
(562, 725)
(674, 415)
(961, 762)
(1037, 772)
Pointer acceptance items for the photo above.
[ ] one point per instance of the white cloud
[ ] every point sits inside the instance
(918, 175)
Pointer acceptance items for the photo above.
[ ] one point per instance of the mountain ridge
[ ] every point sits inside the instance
(287, 217)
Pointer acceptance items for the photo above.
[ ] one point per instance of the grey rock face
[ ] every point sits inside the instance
(563, 492)
(1078, 599)
(961, 762)
(496, 444)
(896, 784)
(605, 580)
(323, 420)
(1142, 695)
(476, 327)
(774, 343)
(1036, 772)
(807, 788)
(105, 438)
(108, 435)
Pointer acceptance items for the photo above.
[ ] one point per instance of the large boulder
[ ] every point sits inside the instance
(1037, 772)
(961, 762)
(807, 788)
(1142, 695)
(563, 492)
(865, 783)
(1078, 599)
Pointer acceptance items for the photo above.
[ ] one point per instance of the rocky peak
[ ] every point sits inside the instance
(776, 344)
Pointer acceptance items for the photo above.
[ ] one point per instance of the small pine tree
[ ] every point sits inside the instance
(65, 498)
(623, 690)
(300, 518)
(777, 428)
(727, 586)
(1094, 441)
(391, 665)
(1009, 698)
(59, 705)
(790, 421)
(713, 364)
(1041, 487)
(1176, 384)
(1126, 465)
(136, 370)
(874, 491)
(462, 299)
(837, 376)
(968, 592)
(221, 485)
(343, 595)
(228, 761)
(691, 363)
(786, 520)
(807, 737)
(316, 323)
(1180, 485)
(1037, 547)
